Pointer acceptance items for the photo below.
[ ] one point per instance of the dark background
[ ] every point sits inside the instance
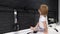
(31, 4)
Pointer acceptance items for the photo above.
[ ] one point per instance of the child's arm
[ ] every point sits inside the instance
(45, 28)
(35, 28)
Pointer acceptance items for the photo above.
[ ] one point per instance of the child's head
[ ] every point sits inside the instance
(43, 9)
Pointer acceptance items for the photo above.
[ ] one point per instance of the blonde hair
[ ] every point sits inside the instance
(42, 10)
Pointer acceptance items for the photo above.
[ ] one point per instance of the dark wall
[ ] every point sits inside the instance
(28, 3)
(53, 9)
(27, 18)
(20, 3)
(6, 20)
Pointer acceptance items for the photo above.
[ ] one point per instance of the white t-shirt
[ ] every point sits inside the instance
(41, 21)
